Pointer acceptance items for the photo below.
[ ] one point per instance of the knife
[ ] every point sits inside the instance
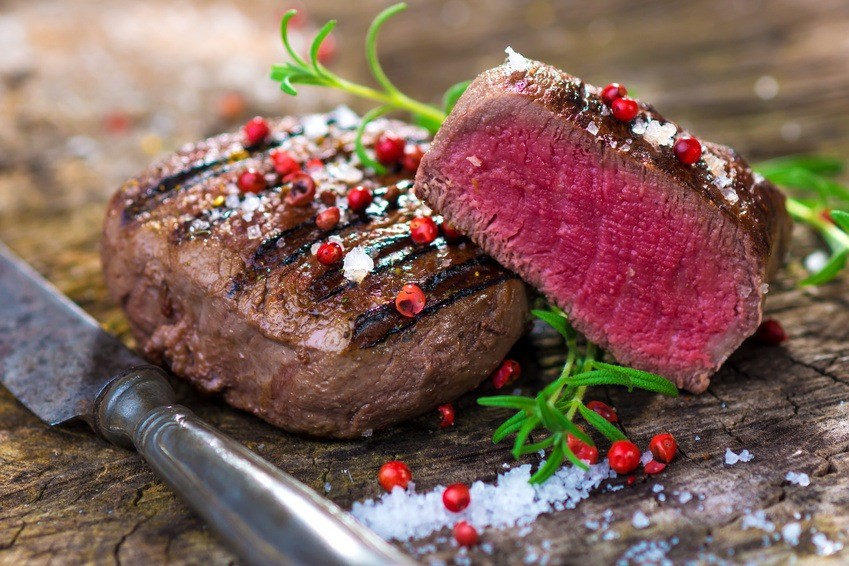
(63, 367)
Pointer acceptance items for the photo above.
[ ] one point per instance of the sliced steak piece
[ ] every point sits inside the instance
(663, 264)
(224, 288)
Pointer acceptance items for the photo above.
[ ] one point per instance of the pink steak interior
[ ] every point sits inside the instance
(645, 267)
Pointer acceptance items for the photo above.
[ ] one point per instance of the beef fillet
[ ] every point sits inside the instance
(224, 287)
(663, 264)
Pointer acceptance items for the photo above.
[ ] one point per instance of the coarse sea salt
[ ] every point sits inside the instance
(516, 61)
(714, 164)
(592, 128)
(757, 520)
(315, 126)
(345, 118)
(639, 126)
(824, 546)
(727, 192)
(254, 232)
(791, 532)
(801, 478)
(357, 264)
(511, 501)
(345, 172)
(744, 456)
(648, 552)
(251, 203)
(659, 134)
(232, 201)
(816, 261)
(640, 520)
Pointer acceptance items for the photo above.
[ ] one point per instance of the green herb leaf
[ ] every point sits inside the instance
(284, 33)
(453, 94)
(556, 421)
(805, 180)
(371, 46)
(557, 321)
(812, 163)
(359, 148)
(536, 446)
(508, 401)
(316, 45)
(552, 464)
(642, 379)
(835, 265)
(522, 436)
(601, 424)
(508, 427)
(840, 218)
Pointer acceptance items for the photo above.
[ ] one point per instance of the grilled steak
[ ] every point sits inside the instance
(661, 263)
(224, 286)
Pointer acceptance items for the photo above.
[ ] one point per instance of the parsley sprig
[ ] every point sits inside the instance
(821, 203)
(311, 72)
(554, 408)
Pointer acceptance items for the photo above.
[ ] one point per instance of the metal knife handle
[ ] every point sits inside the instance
(265, 515)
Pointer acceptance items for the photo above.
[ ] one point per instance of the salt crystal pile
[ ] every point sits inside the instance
(510, 502)
(744, 456)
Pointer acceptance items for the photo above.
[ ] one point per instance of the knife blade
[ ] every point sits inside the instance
(62, 366)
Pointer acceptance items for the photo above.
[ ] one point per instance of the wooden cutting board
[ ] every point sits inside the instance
(91, 97)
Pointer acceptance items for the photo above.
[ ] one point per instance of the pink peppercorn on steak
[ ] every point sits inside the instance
(658, 246)
(265, 266)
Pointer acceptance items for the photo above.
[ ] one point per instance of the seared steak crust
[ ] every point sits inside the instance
(535, 136)
(224, 287)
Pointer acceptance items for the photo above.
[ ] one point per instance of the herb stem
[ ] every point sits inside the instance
(579, 397)
(813, 217)
(396, 99)
(582, 390)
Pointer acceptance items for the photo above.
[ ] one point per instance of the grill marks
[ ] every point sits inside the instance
(461, 272)
(389, 252)
(197, 172)
(444, 288)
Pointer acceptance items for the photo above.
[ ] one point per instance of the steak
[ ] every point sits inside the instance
(224, 287)
(665, 265)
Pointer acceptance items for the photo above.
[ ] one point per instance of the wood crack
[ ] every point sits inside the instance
(117, 549)
(11, 543)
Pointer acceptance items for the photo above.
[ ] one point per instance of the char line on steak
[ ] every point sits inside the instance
(224, 288)
(664, 265)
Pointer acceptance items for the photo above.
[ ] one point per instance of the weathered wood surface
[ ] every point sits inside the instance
(65, 69)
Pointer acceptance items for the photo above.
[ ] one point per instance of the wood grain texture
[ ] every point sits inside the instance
(90, 90)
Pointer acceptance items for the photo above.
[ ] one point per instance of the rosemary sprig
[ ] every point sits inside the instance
(555, 407)
(312, 72)
(818, 204)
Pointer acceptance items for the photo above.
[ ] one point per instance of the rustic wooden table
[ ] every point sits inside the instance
(91, 90)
